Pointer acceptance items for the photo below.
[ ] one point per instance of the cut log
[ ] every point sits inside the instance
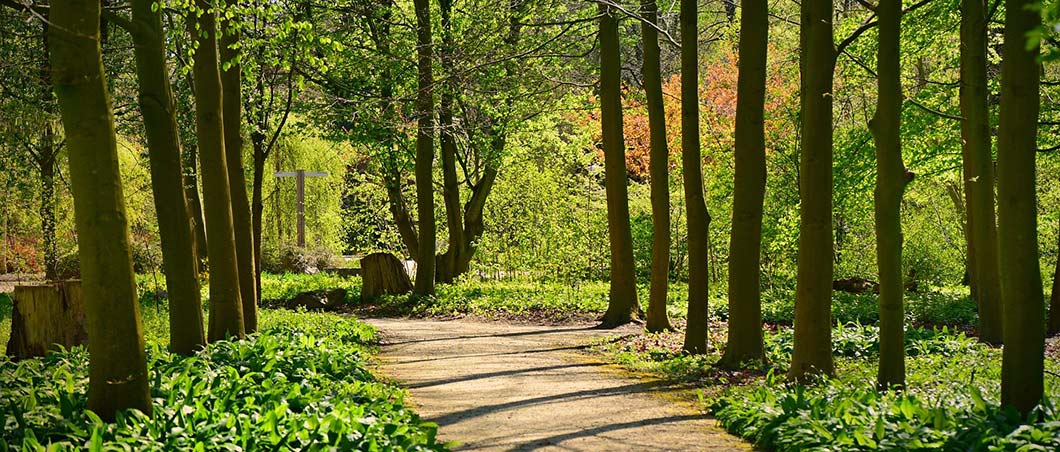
(383, 274)
(45, 316)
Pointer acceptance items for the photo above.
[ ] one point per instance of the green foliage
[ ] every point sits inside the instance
(286, 286)
(842, 415)
(301, 384)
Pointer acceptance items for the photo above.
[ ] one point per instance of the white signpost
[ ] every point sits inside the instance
(300, 176)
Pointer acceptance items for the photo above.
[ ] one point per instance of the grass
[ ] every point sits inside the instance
(587, 301)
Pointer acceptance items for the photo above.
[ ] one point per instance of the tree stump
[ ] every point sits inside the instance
(383, 274)
(45, 316)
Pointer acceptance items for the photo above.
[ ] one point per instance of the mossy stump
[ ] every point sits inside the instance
(46, 316)
(383, 274)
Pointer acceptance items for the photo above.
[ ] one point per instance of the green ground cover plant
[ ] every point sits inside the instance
(300, 384)
(950, 402)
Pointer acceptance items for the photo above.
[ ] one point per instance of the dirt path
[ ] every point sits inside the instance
(494, 386)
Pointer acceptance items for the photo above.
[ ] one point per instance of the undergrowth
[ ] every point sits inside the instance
(300, 384)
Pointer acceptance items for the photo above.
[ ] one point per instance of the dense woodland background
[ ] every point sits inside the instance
(497, 145)
(546, 215)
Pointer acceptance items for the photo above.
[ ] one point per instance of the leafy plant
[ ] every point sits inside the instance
(301, 384)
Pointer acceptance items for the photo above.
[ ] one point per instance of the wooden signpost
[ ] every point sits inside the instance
(300, 176)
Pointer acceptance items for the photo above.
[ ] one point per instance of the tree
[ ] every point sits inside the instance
(979, 170)
(812, 352)
(659, 167)
(226, 308)
(167, 179)
(425, 150)
(232, 115)
(697, 216)
(891, 180)
(1022, 366)
(749, 189)
(1054, 303)
(118, 376)
(622, 304)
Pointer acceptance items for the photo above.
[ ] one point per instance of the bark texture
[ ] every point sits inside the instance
(232, 105)
(118, 376)
(749, 190)
(167, 182)
(1054, 302)
(812, 353)
(45, 315)
(1022, 364)
(191, 193)
(226, 308)
(697, 216)
(659, 167)
(979, 171)
(425, 150)
(383, 274)
(891, 181)
(622, 304)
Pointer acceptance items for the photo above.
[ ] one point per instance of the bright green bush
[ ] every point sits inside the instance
(301, 384)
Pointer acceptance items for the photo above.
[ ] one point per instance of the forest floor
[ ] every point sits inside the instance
(499, 386)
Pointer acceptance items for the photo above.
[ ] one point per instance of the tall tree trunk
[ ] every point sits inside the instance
(622, 304)
(979, 171)
(813, 298)
(891, 180)
(163, 141)
(46, 162)
(232, 89)
(191, 193)
(257, 201)
(425, 151)
(659, 167)
(749, 190)
(446, 263)
(46, 157)
(226, 308)
(1054, 301)
(1022, 364)
(391, 175)
(118, 376)
(697, 216)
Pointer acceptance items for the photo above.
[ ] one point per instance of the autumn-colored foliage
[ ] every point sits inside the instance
(717, 94)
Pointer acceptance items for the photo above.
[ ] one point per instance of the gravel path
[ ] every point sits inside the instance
(500, 387)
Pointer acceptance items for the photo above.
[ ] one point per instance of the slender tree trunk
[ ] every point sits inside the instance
(391, 175)
(1054, 301)
(446, 263)
(191, 193)
(622, 304)
(891, 180)
(749, 190)
(1022, 365)
(979, 171)
(226, 308)
(425, 151)
(46, 159)
(46, 164)
(813, 299)
(257, 203)
(232, 89)
(659, 167)
(118, 376)
(697, 216)
(163, 141)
